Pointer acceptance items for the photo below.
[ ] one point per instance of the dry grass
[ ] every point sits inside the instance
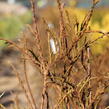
(70, 70)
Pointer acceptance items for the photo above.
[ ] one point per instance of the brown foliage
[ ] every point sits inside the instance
(77, 76)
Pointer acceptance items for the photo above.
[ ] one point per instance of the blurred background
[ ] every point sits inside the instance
(16, 14)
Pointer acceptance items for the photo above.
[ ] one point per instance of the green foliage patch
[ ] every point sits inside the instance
(11, 25)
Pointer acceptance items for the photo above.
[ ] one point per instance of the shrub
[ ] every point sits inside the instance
(71, 71)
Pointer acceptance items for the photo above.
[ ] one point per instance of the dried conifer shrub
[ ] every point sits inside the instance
(68, 66)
